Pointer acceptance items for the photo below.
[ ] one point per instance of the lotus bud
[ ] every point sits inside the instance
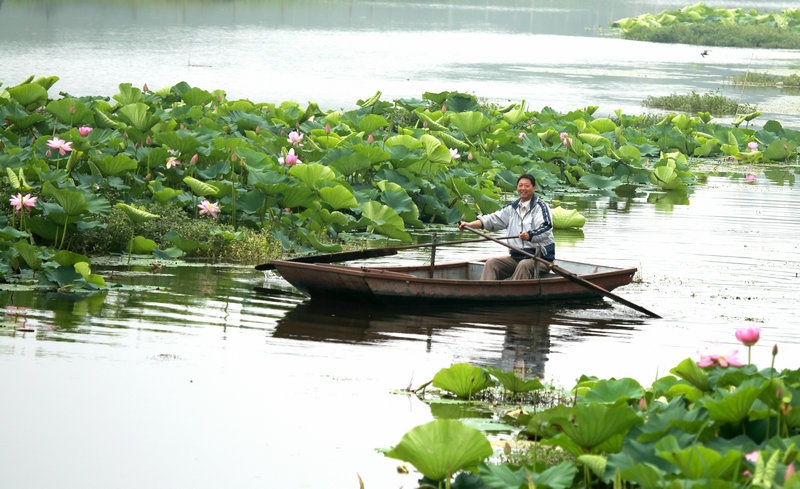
(48, 153)
(233, 157)
(469, 156)
(789, 471)
(72, 109)
(489, 128)
(370, 139)
(775, 350)
(327, 128)
(283, 132)
(521, 136)
(193, 161)
(219, 98)
(507, 449)
(124, 135)
(144, 88)
(258, 129)
(424, 123)
(137, 144)
(148, 140)
(148, 176)
(266, 108)
(444, 108)
(642, 404)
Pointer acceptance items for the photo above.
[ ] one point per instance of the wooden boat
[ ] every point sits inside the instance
(450, 282)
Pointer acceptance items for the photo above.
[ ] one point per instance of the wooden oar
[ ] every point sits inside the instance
(569, 275)
(368, 253)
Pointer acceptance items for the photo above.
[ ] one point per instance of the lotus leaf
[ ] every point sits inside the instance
(591, 180)
(436, 151)
(441, 448)
(142, 246)
(29, 254)
(370, 101)
(733, 407)
(405, 140)
(603, 125)
(136, 215)
(29, 95)
(614, 391)
(350, 162)
(62, 276)
(565, 219)
(312, 174)
(384, 220)
(371, 122)
(689, 371)
(72, 202)
(777, 151)
(186, 245)
(697, 461)
(592, 425)
(338, 197)
(666, 177)
(86, 272)
(516, 115)
(462, 379)
(503, 477)
(69, 111)
(594, 139)
(114, 165)
(138, 115)
(452, 142)
(128, 94)
(201, 189)
(65, 258)
(513, 383)
(470, 122)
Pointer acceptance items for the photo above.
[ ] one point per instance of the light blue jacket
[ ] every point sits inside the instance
(537, 222)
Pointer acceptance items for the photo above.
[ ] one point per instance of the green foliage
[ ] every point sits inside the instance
(462, 379)
(693, 102)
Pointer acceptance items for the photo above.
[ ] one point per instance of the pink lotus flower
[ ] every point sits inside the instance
(59, 144)
(18, 202)
(469, 156)
(291, 159)
(370, 139)
(454, 153)
(444, 108)
(748, 336)
(211, 209)
(295, 137)
(563, 136)
(327, 128)
(194, 159)
(789, 471)
(85, 130)
(715, 359)
(753, 146)
(521, 135)
(750, 177)
(172, 161)
(752, 456)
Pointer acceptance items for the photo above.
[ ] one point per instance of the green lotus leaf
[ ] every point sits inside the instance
(565, 219)
(614, 391)
(69, 111)
(142, 246)
(312, 239)
(295, 195)
(183, 244)
(166, 194)
(430, 122)
(83, 268)
(603, 125)
(592, 180)
(327, 140)
(138, 115)
(29, 253)
(471, 123)
(114, 165)
(436, 151)
(72, 202)
(697, 461)
(196, 97)
(312, 174)
(200, 189)
(733, 407)
(462, 379)
(384, 220)
(338, 197)
(65, 258)
(29, 95)
(591, 425)
(594, 139)
(666, 177)
(441, 448)
(452, 142)
(409, 142)
(777, 150)
(168, 254)
(13, 179)
(504, 477)
(9, 233)
(351, 162)
(370, 101)
(689, 371)
(134, 214)
(128, 94)
(516, 115)
(513, 383)
(370, 122)
(62, 276)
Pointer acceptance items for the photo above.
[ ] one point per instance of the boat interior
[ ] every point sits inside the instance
(472, 270)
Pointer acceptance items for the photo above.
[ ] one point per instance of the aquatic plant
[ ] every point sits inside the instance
(462, 379)
(712, 422)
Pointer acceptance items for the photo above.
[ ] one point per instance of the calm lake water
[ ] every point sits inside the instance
(220, 376)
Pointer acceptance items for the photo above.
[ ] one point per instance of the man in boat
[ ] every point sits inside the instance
(528, 219)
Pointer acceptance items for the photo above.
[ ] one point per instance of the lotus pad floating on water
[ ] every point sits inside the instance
(565, 219)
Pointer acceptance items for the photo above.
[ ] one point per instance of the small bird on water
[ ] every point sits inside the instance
(704, 53)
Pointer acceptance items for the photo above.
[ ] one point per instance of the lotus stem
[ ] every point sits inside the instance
(64, 235)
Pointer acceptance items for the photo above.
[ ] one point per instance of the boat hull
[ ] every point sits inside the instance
(452, 282)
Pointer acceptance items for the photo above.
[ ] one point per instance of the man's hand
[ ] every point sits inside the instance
(524, 236)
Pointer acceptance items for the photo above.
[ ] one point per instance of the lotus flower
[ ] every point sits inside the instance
(370, 139)
(750, 177)
(59, 144)
(172, 161)
(752, 456)
(18, 202)
(212, 209)
(85, 130)
(295, 137)
(194, 159)
(748, 336)
(753, 146)
(454, 153)
(715, 359)
(291, 159)
(521, 135)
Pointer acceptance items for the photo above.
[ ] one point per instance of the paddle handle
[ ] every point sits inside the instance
(567, 274)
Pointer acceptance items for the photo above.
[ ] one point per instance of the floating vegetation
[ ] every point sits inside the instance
(707, 26)
(765, 80)
(185, 172)
(711, 102)
(714, 422)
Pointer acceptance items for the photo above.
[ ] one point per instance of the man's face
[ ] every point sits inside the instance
(525, 189)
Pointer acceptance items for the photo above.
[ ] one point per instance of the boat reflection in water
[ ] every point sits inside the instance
(509, 337)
